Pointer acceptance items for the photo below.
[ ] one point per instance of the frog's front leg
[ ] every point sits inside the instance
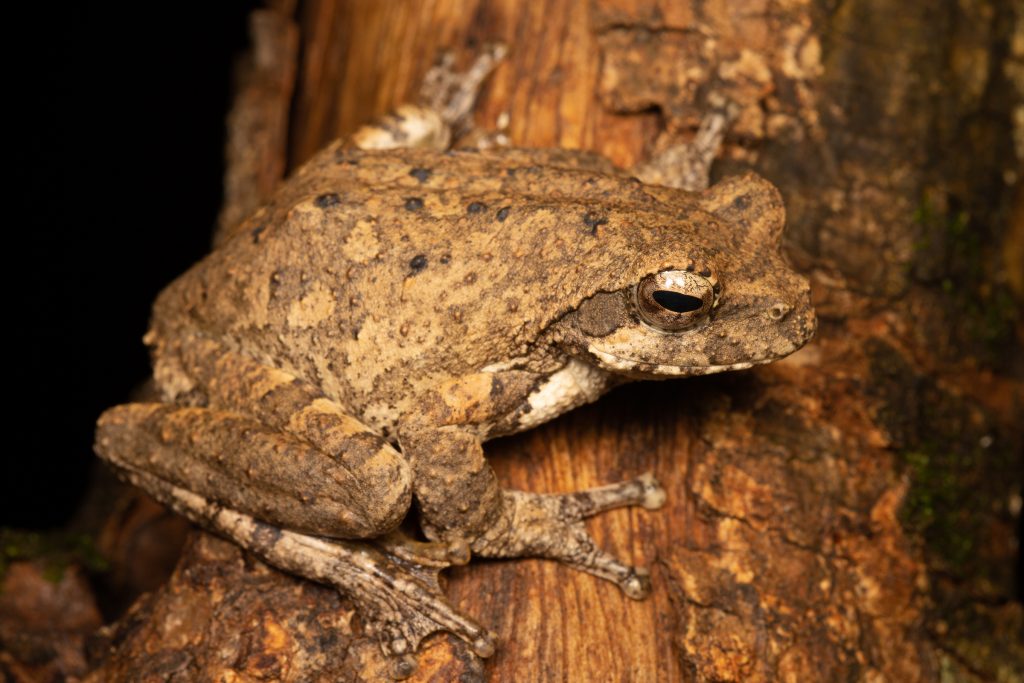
(460, 498)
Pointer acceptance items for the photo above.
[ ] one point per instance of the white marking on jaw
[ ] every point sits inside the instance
(505, 365)
(573, 385)
(625, 365)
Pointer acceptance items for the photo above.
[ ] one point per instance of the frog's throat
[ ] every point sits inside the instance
(620, 364)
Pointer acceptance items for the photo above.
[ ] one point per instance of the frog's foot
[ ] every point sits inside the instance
(443, 113)
(551, 525)
(393, 582)
(452, 94)
(687, 166)
(428, 554)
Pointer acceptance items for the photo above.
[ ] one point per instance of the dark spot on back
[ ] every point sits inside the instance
(413, 203)
(420, 174)
(325, 201)
(475, 207)
(741, 202)
(497, 388)
(275, 282)
(593, 220)
(418, 263)
(502, 213)
(445, 259)
(257, 231)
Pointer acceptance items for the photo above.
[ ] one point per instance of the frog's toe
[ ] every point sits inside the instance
(399, 640)
(403, 666)
(637, 585)
(452, 93)
(545, 525)
(400, 601)
(644, 491)
(426, 554)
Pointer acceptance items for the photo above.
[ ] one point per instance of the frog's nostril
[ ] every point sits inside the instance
(779, 311)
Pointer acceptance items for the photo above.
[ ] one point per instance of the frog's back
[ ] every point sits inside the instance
(454, 175)
(368, 271)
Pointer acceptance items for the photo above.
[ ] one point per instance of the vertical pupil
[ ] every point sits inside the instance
(676, 302)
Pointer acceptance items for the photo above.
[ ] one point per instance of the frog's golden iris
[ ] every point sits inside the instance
(673, 300)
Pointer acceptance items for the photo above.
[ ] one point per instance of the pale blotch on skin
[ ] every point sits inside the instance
(312, 309)
(362, 244)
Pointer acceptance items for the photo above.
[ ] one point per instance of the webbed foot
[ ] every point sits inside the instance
(452, 93)
(551, 525)
(445, 108)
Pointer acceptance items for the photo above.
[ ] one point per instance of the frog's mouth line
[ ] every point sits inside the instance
(626, 364)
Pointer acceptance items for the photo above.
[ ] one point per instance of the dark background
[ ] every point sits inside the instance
(116, 154)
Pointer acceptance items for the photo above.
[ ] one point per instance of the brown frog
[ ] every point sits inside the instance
(351, 346)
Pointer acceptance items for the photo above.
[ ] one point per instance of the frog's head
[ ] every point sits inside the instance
(728, 304)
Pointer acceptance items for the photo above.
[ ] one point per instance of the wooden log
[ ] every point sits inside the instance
(845, 514)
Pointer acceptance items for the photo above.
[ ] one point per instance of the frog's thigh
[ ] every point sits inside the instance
(361, 487)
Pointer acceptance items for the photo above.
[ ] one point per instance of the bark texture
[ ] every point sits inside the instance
(846, 514)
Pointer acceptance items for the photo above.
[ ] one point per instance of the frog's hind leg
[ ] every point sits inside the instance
(551, 526)
(687, 166)
(397, 595)
(451, 93)
(264, 451)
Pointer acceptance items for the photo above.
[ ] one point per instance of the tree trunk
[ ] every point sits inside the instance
(845, 514)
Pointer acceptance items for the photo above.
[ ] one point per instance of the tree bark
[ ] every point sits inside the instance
(845, 514)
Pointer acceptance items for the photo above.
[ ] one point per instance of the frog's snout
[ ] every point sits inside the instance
(795, 321)
(802, 325)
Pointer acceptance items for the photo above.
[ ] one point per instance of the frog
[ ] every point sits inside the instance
(342, 356)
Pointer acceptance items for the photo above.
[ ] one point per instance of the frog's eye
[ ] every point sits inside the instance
(674, 299)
